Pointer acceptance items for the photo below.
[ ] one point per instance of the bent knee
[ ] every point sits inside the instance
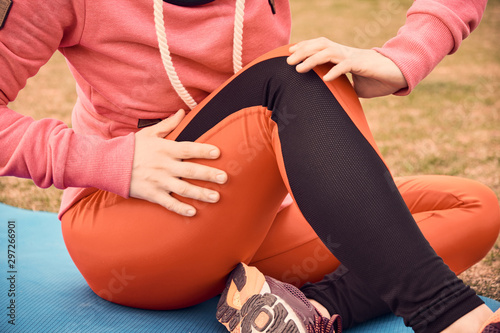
(484, 200)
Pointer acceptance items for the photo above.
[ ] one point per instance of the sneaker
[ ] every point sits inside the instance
(253, 302)
(492, 325)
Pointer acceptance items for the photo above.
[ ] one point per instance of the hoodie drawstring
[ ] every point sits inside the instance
(238, 36)
(167, 58)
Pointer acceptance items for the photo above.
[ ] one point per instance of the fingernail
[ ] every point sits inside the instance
(213, 197)
(190, 212)
(214, 153)
(221, 178)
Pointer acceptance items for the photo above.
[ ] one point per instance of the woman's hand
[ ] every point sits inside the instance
(159, 164)
(373, 74)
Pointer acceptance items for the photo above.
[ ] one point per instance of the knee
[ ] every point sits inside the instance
(481, 198)
(484, 211)
(481, 201)
(481, 206)
(454, 197)
(461, 217)
(491, 208)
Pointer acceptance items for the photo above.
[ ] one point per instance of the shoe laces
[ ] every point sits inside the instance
(325, 325)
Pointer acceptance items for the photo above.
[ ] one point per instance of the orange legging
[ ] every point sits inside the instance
(138, 254)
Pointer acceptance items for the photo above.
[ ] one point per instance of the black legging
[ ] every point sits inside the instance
(347, 194)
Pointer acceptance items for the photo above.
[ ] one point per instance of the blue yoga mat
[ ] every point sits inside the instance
(41, 290)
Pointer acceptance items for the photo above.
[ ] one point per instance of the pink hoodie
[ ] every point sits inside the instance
(112, 51)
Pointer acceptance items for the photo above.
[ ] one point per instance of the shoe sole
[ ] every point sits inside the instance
(247, 306)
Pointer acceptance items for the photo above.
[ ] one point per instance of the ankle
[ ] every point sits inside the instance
(470, 322)
(320, 308)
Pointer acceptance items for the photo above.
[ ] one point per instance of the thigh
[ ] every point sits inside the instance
(459, 217)
(139, 254)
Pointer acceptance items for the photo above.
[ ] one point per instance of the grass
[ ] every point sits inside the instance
(449, 125)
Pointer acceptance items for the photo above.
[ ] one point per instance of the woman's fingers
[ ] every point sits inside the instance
(160, 190)
(198, 171)
(164, 127)
(188, 150)
(373, 74)
(159, 165)
(317, 51)
(303, 50)
(166, 200)
(343, 67)
(188, 190)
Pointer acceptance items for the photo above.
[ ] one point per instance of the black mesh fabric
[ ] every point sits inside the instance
(345, 192)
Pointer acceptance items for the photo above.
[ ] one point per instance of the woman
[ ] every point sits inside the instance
(225, 168)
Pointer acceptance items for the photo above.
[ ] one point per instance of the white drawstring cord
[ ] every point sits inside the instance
(238, 35)
(167, 58)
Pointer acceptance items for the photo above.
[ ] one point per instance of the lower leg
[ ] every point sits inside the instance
(320, 308)
(471, 322)
(349, 198)
(343, 293)
(439, 204)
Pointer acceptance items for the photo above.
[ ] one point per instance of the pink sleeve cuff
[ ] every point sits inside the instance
(50, 153)
(103, 164)
(433, 29)
(419, 46)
